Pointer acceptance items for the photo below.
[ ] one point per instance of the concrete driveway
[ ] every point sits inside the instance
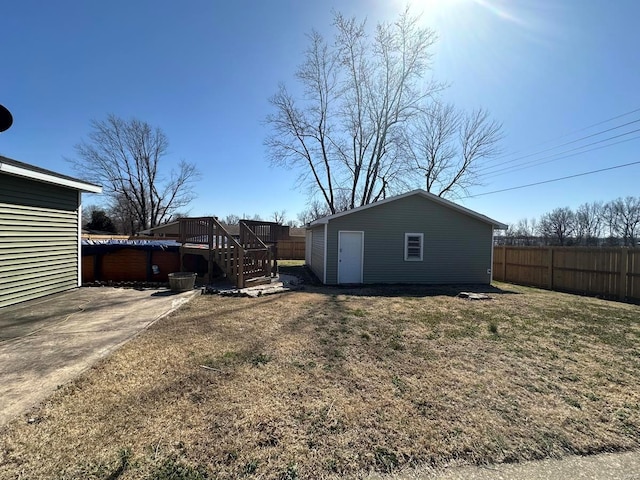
(47, 342)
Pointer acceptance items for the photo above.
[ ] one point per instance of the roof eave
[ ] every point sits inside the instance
(446, 203)
(18, 171)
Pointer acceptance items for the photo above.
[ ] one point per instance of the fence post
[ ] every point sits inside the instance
(624, 269)
(550, 267)
(504, 263)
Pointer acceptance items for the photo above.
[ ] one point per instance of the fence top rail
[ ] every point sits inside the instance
(569, 248)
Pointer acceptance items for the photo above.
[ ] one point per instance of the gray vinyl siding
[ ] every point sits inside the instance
(457, 247)
(38, 239)
(317, 251)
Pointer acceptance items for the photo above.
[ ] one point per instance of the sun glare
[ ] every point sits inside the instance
(499, 8)
(437, 5)
(499, 11)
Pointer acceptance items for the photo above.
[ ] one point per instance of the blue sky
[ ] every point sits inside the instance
(203, 71)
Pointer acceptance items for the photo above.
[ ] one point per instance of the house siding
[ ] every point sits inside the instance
(38, 239)
(317, 251)
(457, 247)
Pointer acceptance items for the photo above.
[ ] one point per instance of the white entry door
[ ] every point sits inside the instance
(350, 253)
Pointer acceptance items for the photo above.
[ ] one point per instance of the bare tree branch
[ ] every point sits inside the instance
(125, 156)
(444, 146)
(359, 92)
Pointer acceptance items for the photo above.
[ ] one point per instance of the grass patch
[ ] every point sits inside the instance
(493, 328)
(290, 263)
(172, 469)
(324, 382)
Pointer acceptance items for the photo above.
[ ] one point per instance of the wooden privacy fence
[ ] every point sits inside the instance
(610, 272)
(292, 249)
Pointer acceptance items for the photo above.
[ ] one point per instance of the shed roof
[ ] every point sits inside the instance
(422, 193)
(21, 169)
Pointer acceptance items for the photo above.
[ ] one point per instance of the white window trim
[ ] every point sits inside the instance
(406, 249)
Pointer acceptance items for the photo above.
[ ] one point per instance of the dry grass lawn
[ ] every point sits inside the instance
(322, 382)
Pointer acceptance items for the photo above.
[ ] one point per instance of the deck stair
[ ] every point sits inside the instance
(246, 260)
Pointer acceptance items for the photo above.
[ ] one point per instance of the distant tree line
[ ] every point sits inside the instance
(614, 223)
(276, 217)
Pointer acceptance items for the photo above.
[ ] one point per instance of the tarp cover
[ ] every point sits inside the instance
(91, 247)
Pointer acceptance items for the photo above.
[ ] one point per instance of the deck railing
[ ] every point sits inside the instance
(268, 232)
(258, 254)
(240, 261)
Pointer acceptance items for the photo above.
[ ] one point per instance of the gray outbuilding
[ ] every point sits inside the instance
(40, 231)
(416, 237)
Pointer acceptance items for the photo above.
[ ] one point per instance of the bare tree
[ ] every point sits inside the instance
(255, 216)
(125, 158)
(623, 216)
(123, 215)
(589, 219)
(523, 232)
(278, 217)
(557, 226)
(359, 93)
(444, 147)
(317, 209)
(231, 219)
(87, 213)
(305, 217)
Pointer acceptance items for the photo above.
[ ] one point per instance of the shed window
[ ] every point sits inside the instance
(413, 245)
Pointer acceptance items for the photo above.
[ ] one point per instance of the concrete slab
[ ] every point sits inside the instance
(47, 342)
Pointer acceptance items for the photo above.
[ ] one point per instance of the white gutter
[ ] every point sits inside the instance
(47, 178)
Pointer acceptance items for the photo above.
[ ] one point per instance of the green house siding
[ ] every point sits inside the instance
(317, 251)
(38, 239)
(457, 247)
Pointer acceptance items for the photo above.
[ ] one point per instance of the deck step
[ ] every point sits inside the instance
(252, 282)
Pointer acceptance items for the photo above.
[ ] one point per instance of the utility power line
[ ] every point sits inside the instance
(554, 180)
(569, 134)
(515, 169)
(501, 164)
(560, 155)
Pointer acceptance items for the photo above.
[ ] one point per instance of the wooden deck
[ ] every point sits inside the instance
(244, 261)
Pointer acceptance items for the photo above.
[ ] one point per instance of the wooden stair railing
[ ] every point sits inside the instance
(258, 255)
(240, 261)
